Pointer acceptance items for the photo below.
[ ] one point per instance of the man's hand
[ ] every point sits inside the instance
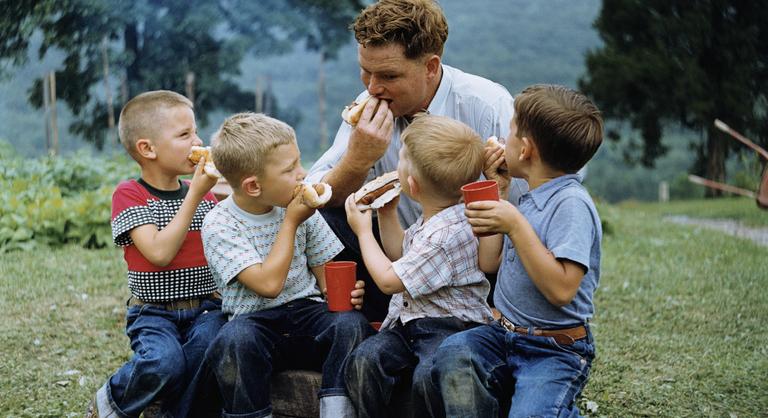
(496, 217)
(359, 222)
(201, 182)
(297, 212)
(370, 138)
(495, 168)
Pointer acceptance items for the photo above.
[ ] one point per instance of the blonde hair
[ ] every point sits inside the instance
(244, 141)
(418, 25)
(143, 115)
(565, 125)
(444, 152)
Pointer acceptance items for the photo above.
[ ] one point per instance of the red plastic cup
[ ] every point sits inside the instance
(479, 191)
(340, 281)
(376, 325)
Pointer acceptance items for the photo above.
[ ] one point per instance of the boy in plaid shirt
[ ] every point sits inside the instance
(431, 269)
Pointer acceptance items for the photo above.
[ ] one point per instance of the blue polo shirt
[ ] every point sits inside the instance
(565, 219)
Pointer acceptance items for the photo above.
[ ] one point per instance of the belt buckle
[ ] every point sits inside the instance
(507, 324)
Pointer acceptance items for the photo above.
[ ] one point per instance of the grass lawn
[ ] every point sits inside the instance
(680, 323)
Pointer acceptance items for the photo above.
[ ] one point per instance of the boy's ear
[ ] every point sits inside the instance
(413, 186)
(527, 150)
(145, 148)
(251, 186)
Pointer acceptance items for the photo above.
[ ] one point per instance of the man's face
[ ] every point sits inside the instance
(282, 173)
(403, 82)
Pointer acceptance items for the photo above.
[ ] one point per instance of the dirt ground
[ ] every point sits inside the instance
(731, 227)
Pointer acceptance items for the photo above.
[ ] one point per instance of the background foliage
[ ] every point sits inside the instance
(54, 201)
(515, 42)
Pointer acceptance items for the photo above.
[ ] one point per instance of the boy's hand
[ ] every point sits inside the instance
(201, 182)
(495, 168)
(297, 211)
(358, 221)
(357, 294)
(496, 217)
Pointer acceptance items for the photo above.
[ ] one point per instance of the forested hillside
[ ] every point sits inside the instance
(514, 42)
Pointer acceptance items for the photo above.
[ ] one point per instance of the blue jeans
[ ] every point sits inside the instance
(301, 334)
(482, 371)
(168, 348)
(397, 356)
(376, 302)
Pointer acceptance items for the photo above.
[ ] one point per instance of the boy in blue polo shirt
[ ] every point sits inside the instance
(536, 358)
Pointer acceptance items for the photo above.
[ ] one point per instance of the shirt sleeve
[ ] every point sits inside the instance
(227, 248)
(571, 231)
(322, 243)
(424, 268)
(129, 210)
(330, 158)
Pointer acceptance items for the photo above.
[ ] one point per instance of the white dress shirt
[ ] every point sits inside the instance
(483, 105)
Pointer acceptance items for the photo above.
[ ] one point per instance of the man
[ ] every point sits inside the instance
(399, 52)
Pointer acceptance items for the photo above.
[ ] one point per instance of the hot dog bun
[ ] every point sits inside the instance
(196, 153)
(352, 112)
(378, 192)
(314, 195)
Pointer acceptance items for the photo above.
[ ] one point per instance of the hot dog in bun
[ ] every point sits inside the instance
(313, 195)
(352, 112)
(492, 141)
(196, 153)
(378, 192)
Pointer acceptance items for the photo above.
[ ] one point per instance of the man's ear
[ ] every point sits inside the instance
(145, 148)
(251, 186)
(433, 66)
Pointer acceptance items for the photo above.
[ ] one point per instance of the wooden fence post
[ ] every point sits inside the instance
(54, 128)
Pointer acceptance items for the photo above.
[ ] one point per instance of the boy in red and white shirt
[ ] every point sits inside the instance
(174, 311)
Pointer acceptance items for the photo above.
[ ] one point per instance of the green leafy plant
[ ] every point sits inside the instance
(54, 201)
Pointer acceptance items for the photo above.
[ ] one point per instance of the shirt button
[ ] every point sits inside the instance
(405, 303)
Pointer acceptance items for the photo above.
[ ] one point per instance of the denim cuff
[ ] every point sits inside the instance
(336, 407)
(264, 413)
(104, 403)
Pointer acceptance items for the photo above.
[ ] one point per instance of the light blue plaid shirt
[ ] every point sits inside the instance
(440, 272)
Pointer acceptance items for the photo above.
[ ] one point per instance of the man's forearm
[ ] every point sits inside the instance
(346, 178)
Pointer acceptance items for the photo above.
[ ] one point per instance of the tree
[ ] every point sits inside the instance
(157, 44)
(686, 62)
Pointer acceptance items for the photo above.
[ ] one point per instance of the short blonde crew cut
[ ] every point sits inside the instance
(418, 25)
(143, 115)
(243, 143)
(444, 152)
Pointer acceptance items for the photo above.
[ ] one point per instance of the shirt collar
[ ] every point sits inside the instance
(541, 195)
(446, 83)
(447, 216)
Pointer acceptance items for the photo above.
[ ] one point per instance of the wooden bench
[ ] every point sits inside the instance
(294, 395)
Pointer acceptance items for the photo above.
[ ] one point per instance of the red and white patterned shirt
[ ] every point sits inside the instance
(136, 203)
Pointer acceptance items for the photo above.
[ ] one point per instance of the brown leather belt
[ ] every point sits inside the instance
(175, 305)
(565, 336)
